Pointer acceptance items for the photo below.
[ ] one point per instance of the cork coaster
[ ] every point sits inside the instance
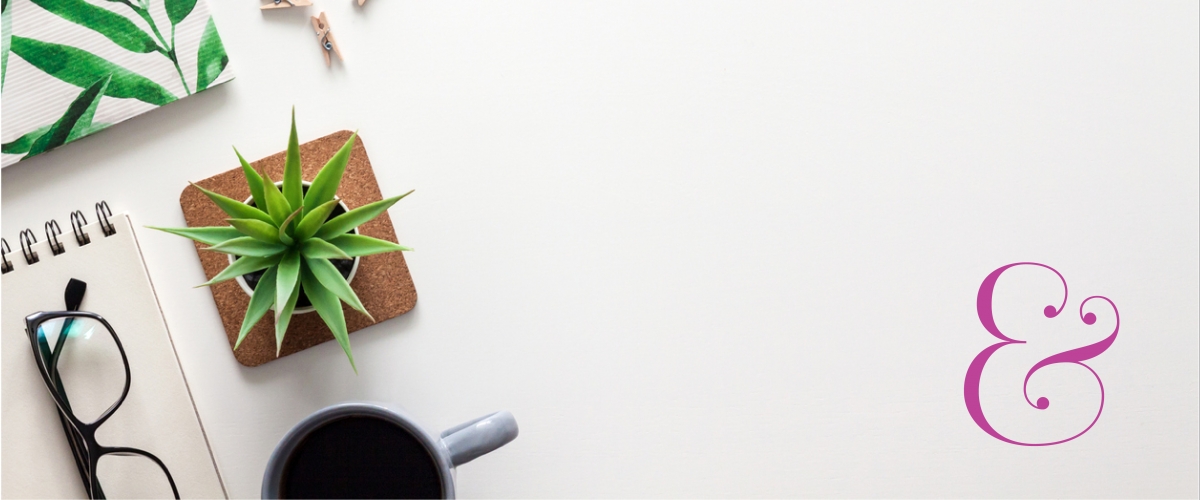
(382, 281)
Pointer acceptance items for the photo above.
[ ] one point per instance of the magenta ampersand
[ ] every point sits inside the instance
(983, 305)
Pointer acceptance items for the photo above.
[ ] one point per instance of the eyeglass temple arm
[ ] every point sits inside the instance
(77, 450)
(52, 361)
(73, 298)
(73, 439)
(98, 492)
(59, 344)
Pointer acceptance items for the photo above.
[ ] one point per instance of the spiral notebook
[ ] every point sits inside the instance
(158, 414)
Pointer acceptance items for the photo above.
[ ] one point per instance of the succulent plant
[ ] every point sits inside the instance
(293, 241)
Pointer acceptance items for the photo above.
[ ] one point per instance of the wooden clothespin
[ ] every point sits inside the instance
(360, 2)
(325, 38)
(283, 4)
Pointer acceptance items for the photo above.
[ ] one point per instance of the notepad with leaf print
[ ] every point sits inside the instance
(74, 67)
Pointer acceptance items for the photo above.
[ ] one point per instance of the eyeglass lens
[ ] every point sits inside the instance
(84, 362)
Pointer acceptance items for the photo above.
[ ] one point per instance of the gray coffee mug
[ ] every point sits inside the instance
(456, 446)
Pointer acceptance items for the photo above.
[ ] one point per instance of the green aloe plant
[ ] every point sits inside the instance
(293, 239)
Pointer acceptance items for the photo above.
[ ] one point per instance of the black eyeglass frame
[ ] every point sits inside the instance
(81, 435)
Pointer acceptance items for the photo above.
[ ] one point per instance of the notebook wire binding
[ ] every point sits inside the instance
(102, 214)
(52, 232)
(28, 239)
(5, 264)
(77, 223)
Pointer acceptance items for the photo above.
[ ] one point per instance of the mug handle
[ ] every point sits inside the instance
(481, 436)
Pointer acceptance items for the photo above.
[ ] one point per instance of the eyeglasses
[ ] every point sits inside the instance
(87, 373)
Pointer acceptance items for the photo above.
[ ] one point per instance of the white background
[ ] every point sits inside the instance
(711, 249)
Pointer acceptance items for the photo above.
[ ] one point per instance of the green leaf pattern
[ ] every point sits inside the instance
(6, 44)
(129, 25)
(79, 115)
(113, 26)
(22, 144)
(81, 68)
(211, 59)
(177, 10)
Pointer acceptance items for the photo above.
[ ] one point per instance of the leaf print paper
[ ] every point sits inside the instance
(81, 68)
(74, 67)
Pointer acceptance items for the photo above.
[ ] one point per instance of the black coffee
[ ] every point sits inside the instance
(361, 457)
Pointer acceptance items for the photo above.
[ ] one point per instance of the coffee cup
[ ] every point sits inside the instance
(367, 450)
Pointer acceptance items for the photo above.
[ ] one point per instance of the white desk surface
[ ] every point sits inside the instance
(708, 248)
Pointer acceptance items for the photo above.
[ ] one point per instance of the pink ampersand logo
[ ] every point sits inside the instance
(1077, 356)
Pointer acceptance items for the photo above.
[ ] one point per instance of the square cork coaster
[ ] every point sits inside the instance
(382, 281)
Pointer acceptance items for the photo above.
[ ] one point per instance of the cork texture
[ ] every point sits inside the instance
(382, 281)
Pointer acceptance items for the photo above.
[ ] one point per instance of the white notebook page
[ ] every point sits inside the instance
(158, 414)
